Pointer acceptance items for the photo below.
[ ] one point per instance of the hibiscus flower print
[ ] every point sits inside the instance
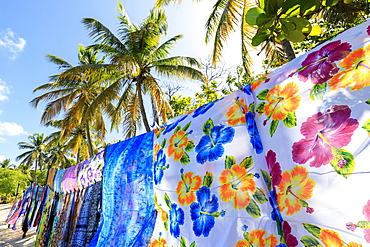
(356, 73)
(236, 113)
(160, 242)
(204, 108)
(210, 146)
(187, 187)
(160, 166)
(319, 65)
(294, 189)
(322, 133)
(177, 218)
(281, 101)
(332, 238)
(258, 238)
(204, 211)
(237, 185)
(172, 126)
(274, 167)
(255, 138)
(179, 145)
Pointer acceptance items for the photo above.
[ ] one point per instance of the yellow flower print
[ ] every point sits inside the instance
(237, 185)
(282, 100)
(294, 189)
(236, 113)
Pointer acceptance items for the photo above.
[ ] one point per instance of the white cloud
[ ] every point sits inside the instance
(11, 129)
(3, 140)
(4, 91)
(2, 158)
(10, 42)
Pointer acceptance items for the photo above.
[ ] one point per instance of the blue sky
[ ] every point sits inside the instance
(31, 29)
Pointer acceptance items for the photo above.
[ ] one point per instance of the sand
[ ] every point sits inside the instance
(9, 237)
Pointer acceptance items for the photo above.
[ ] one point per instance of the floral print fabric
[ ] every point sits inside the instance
(275, 164)
(91, 171)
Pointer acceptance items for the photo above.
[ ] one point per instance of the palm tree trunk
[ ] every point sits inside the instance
(142, 108)
(288, 49)
(89, 142)
(155, 112)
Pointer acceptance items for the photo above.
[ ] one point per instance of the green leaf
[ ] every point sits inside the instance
(329, 3)
(368, 101)
(262, 95)
(261, 107)
(318, 91)
(288, 4)
(253, 209)
(308, 7)
(314, 230)
(247, 162)
(251, 107)
(163, 144)
(272, 7)
(260, 196)
(366, 126)
(229, 162)
(260, 36)
(185, 159)
(207, 126)
(208, 179)
(363, 224)
(310, 241)
(273, 126)
(167, 200)
(252, 14)
(290, 120)
(182, 242)
(177, 129)
(187, 126)
(343, 158)
(267, 178)
(192, 244)
(262, 19)
(190, 146)
(295, 36)
(165, 224)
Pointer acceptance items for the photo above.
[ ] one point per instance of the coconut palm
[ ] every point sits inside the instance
(36, 153)
(136, 58)
(72, 92)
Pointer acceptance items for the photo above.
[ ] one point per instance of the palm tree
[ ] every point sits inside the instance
(72, 93)
(136, 56)
(59, 156)
(36, 154)
(6, 164)
(227, 16)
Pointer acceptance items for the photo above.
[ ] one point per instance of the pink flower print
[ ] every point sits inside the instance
(319, 65)
(322, 132)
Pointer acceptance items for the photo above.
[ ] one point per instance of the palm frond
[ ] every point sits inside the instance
(63, 64)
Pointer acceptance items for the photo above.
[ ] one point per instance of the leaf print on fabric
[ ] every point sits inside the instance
(204, 211)
(210, 146)
(177, 218)
(257, 238)
(187, 187)
(362, 224)
(319, 65)
(236, 113)
(294, 189)
(356, 73)
(281, 101)
(160, 166)
(254, 135)
(179, 145)
(237, 185)
(366, 126)
(324, 133)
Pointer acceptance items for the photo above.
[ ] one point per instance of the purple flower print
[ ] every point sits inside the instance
(319, 65)
(323, 132)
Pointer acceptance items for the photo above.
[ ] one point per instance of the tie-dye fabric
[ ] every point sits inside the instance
(280, 163)
(69, 181)
(58, 178)
(91, 171)
(127, 204)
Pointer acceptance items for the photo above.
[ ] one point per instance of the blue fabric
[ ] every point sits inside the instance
(127, 204)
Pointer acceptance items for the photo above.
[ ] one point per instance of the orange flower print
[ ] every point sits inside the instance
(187, 187)
(160, 210)
(256, 238)
(356, 73)
(160, 242)
(236, 113)
(255, 84)
(236, 185)
(294, 189)
(281, 101)
(178, 143)
(332, 239)
(156, 149)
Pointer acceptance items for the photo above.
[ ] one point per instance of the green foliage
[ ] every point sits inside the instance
(9, 179)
